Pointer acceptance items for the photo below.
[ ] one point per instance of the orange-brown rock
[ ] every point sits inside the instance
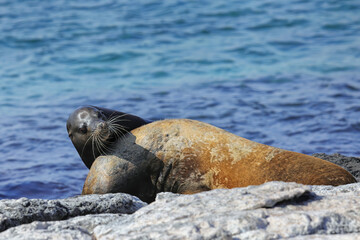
(187, 156)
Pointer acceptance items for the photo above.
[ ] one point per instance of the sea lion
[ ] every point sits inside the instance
(188, 156)
(94, 130)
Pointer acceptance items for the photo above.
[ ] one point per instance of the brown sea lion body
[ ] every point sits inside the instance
(188, 156)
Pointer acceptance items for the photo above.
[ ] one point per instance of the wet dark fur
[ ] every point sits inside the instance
(94, 130)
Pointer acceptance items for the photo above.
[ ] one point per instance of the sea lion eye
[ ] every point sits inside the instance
(83, 129)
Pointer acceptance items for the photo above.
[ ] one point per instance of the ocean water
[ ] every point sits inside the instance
(284, 73)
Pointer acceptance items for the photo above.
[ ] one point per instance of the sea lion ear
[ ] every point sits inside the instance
(68, 126)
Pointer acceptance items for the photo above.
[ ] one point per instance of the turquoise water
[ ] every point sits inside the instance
(283, 73)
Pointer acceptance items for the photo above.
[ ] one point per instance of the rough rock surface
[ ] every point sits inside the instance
(269, 211)
(274, 210)
(73, 228)
(23, 210)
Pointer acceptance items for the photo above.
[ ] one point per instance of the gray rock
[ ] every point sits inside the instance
(353, 236)
(350, 189)
(23, 210)
(275, 210)
(270, 211)
(74, 228)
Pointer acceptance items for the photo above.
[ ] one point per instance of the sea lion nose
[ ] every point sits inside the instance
(101, 125)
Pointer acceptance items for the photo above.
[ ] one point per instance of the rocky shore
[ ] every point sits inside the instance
(274, 210)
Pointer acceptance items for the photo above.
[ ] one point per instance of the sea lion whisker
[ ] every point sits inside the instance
(82, 151)
(113, 130)
(95, 144)
(119, 127)
(103, 148)
(121, 115)
(93, 148)
(117, 118)
(111, 115)
(106, 148)
(121, 120)
(101, 141)
(101, 137)
(120, 135)
(117, 124)
(100, 146)
(123, 136)
(119, 130)
(117, 121)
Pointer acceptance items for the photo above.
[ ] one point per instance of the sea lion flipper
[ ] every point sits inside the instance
(113, 174)
(104, 171)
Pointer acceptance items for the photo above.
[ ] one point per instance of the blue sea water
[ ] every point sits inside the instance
(284, 73)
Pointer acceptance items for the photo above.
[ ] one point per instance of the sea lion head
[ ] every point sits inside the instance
(93, 130)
